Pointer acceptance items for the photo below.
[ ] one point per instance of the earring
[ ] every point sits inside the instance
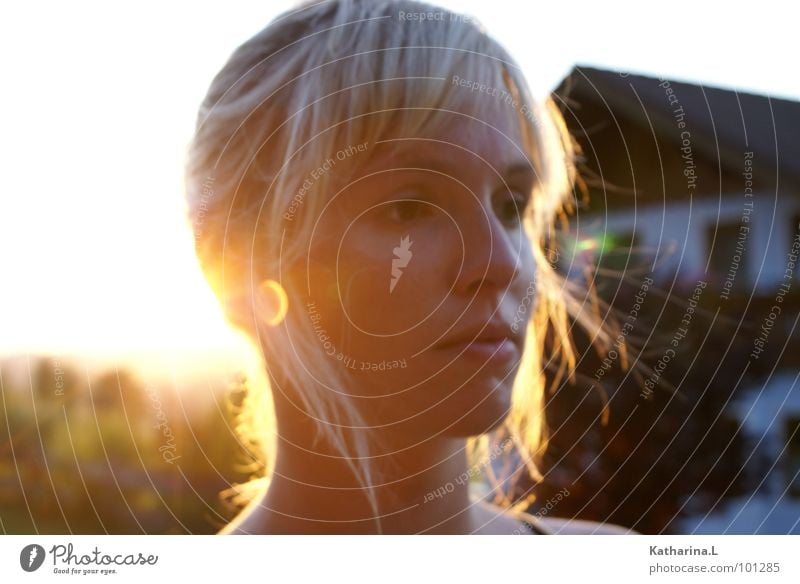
(273, 302)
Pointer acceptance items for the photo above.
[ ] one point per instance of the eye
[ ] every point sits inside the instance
(407, 210)
(511, 207)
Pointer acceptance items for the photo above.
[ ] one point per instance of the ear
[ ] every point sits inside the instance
(271, 302)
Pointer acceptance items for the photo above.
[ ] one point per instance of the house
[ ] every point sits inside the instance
(690, 184)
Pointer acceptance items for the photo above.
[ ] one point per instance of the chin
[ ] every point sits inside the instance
(479, 417)
(476, 425)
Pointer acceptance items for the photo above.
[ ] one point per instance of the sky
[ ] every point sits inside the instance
(98, 106)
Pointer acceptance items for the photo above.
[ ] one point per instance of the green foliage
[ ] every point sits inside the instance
(109, 455)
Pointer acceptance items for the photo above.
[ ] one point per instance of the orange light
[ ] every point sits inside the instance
(281, 300)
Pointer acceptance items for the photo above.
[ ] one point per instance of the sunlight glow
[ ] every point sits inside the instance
(100, 106)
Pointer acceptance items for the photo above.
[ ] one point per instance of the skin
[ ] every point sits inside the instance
(471, 263)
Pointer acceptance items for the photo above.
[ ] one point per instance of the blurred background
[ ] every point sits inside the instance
(118, 373)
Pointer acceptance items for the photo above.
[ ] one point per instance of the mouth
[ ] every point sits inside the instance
(489, 346)
(499, 351)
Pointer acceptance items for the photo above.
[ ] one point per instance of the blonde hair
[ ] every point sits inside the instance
(315, 80)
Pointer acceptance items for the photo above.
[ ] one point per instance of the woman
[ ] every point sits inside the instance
(371, 188)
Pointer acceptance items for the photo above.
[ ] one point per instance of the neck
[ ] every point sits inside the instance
(419, 489)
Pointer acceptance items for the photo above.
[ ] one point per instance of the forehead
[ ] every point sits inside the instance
(480, 128)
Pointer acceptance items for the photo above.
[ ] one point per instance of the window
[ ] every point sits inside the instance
(793, 456)
(727, 245)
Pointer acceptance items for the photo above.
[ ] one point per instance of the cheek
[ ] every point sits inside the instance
(528, 272)
(392, 283)
(524, 291)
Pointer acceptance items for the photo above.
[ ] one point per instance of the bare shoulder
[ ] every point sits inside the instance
(249, 521)
(234, 529)
(565, 526)
(238, 526)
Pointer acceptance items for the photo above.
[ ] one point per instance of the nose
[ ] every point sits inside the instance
(491, 255)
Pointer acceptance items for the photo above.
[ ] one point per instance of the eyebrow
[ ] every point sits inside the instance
(522, 170)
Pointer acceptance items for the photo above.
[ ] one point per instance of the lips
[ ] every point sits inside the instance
(495, 341)
(491, 333)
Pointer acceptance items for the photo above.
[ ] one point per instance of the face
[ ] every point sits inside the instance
(420, 265)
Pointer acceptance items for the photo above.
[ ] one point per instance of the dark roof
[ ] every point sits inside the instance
(723, 123)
